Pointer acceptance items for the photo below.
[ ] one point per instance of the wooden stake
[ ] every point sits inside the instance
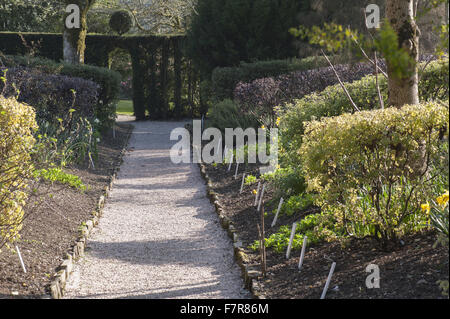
(236, 171)
(327, 284)
(262, 245)
(261, 196)
(257, 193)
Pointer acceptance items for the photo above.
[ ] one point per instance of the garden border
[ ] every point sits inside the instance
(250, 274)
(58, 284)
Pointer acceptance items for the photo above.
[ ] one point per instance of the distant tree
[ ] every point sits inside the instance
(224, 33)
(160, 16)
(30, 15)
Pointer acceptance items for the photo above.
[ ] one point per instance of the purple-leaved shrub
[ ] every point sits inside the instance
(261, 96)
(52, 96)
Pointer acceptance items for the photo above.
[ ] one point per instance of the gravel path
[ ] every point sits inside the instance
(159, 236)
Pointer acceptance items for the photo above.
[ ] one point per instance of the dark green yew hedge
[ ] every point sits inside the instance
(150, 54)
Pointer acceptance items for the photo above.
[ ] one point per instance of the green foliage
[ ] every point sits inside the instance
(330, 102)
(287, 181)
(332, 37)
(224, 33)
(333, 101)
(17, 126)
(399, 61)
(108, 80)
(433, 84)
(58, 175)
(250, 179)
(369, 168)
(225, 79)
(30, 15)
(317, 227)
(226, 114)
(121, 22)
(297, 203)
(72, 141)
(335, 39)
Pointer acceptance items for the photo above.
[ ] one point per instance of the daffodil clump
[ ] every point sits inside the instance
(438, 216)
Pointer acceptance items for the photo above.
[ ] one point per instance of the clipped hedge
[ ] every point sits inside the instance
(17, 125)
(108, 81)
(266, 93)
(370, 168)
(52, 96)
(225, 79)
(332, 102)
(434, 81)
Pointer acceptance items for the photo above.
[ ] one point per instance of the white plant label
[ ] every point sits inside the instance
(278, 211)
(236, 171)
(231, 162)
(225, 153)
(242, 183)
(291, 239)
(327, 284)
(302, 255)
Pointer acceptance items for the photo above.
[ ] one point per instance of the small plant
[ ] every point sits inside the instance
(250, 179)
(439, 217)
(297, 203)
(57, 175)
(317, 227)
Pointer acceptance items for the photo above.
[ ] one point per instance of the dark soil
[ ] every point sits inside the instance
(51, 228)
(408, 271)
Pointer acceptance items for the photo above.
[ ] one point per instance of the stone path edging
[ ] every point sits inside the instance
(249, 273)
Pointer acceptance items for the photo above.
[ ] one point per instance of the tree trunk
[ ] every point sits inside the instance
(404, 90)
(74, 39)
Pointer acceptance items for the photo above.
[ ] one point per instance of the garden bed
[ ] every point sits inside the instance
(409, 270)
(52, 227)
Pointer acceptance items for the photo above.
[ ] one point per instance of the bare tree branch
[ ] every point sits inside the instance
(340, 82)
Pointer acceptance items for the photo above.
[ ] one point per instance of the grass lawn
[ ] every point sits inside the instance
(125, 107)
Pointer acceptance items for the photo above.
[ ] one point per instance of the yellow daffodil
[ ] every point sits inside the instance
(425, 208)
(443, 199)
(263, 127)
(254, 192)
(278, 121)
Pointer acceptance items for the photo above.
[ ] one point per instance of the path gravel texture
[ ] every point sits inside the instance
(159, 236)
